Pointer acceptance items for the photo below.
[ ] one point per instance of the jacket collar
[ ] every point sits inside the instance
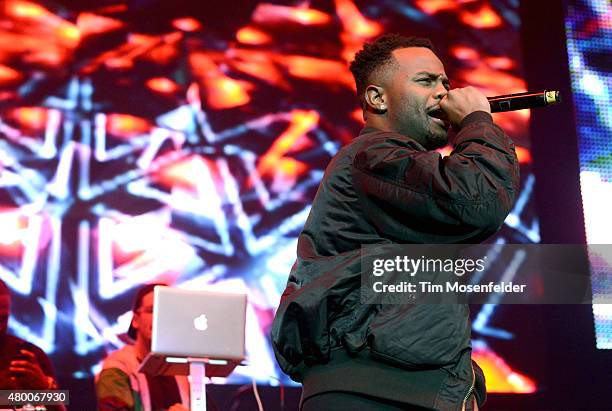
(369, 129)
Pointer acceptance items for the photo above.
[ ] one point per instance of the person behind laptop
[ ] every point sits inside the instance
(119, 385)
(23, 366)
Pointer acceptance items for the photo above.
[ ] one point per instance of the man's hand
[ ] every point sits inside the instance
(459, 102)
(178, 407)
(26, 372)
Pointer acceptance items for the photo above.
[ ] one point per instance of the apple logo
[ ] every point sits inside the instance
(200, 322)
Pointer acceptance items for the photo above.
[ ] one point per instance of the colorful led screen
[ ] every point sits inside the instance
(169, 141)
(589, 46)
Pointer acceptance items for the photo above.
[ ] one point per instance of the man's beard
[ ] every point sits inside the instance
(424, 132)
(436, 140)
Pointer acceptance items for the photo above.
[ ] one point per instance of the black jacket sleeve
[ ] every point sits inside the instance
(411, 194)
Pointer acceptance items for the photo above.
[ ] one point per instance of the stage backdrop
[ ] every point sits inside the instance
(589, 47)
(168, 141)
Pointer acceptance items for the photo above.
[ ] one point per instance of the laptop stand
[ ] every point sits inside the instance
(197, 368)
(197, 385)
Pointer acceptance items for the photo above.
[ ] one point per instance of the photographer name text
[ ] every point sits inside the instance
(448, 287)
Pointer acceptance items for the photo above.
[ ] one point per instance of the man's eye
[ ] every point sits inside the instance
(424, 80)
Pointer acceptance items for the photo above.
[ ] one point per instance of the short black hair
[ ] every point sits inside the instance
(377, 54)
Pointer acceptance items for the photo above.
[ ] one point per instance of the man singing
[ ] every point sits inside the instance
(389, 186)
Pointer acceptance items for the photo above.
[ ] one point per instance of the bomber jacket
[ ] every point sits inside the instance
(386, 188)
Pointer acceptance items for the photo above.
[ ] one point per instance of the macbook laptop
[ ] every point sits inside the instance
(207, 325)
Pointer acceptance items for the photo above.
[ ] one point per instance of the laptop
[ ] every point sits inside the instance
(204, 325)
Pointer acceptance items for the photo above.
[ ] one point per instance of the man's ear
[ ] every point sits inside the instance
(375, 99)
(135, 319)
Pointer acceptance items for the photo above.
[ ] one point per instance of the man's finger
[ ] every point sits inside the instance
(23, 372)
(24, 364)
(30, 355)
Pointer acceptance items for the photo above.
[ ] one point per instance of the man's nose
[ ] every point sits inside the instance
(441, 92)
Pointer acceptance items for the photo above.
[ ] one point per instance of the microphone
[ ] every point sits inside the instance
(519, 101)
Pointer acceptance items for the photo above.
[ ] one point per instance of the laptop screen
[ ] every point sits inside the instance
(203, 323)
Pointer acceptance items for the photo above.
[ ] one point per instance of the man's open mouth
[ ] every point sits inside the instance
(439, 117)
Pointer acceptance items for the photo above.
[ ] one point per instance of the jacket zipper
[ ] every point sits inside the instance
(471, 387)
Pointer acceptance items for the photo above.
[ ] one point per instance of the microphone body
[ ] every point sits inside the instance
(520, 101)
